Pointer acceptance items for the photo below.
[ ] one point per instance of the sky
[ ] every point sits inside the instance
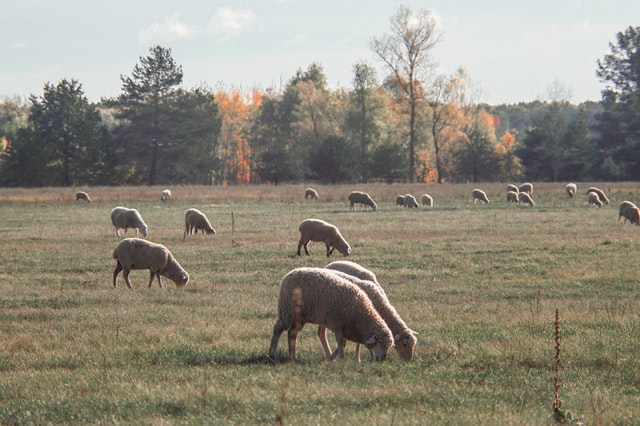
(512, 50)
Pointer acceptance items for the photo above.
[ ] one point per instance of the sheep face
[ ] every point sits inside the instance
(378, 346)
(405, 344)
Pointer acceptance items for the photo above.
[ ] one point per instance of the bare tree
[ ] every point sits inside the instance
(406, 51)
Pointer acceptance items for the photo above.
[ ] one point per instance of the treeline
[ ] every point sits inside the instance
(159, 133)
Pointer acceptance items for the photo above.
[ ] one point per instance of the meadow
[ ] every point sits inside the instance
(481, 284)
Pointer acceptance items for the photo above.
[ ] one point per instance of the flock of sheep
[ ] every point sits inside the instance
(343, 297)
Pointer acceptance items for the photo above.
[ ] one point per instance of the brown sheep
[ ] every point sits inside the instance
(319, 230)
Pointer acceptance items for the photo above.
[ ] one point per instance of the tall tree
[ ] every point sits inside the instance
(407, 52)
(147, 99)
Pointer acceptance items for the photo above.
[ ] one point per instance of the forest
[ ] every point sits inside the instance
(406, 126)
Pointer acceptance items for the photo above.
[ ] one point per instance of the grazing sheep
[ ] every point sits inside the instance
(525, 198)
(426, 200)
(404, 338)
(122, 217)
(194, 221)
(512, 196)
(601, 194)
(571, 189)
(362, 198)
(320, 296)
(526, 187)
(479, 194)
(630, 212)
(311, 193)
(135, 253)
(165, 195)
(410, 201)
(82, 196)
(594, 199)
(512, 187)
(319, 230)
(400, 200)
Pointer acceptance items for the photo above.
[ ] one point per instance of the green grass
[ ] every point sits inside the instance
(479, 283)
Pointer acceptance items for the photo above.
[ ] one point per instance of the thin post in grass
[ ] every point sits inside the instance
(558, 415)
(233, 229)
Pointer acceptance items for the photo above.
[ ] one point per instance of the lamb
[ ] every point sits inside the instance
(136, 253)
(525, 198)
(320, 296)
(594, 199)
(571, 189)
(630, 212)
(512, 187)
(479, 194)
(526, 187)
(601, 194)
(122, 217)
(410, 201)
(362, 198)
(427, 200)
(512, 196)
(195, 220)
(311, 193)
(82, 196)
(165, 195)
(400, 200)
(319, 230)
(404, 338)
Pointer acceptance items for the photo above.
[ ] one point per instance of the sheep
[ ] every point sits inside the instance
(601, 194)
(571, 189)
(122, 217)
(525, 198)
(319, 230)
(594, 199)
(195, 220)
(320, 296)
(362, 198)
(400, 201)
(426, 200)
(479, 194)
(512, 197)
(83, 196)
(630, 212)
(410, 201)
(165, 195)
(311, 193)
(404, 338)
(526, 187)
(512, 187)
(136, 253)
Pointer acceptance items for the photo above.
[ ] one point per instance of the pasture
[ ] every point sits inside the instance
(479, 283)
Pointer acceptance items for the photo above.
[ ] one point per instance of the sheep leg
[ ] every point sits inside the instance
(357, 355)
(292, 335)
(125, 274)
(116, 272)
(342, 342)
(322, 336)
(278, 328)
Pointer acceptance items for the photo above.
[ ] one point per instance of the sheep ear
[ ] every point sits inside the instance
(371, 340)
(415, 333)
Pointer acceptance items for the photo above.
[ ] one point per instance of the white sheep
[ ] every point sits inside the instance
(512, 187)
(594, 199)
(311, 193)
(571, 189)
(512, 196)
(601, 194)
(136, 253)
(194, 221)
(400, 200)
(320, 296)
(526, 187)
(82, 196)
(479, 194)
(124, 218)
(630, 212)
(362, 198)
(427, 200)
(319, 230)
(410, 201)
(525, 198)
(165, 195)
(404, 338)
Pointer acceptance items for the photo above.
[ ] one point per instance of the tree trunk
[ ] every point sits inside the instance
(154, 162)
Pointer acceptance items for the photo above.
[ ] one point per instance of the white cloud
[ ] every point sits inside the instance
(231, 22)
(298, 39)
(171, 29)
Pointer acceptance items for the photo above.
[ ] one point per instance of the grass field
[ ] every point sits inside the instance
(479, 283)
